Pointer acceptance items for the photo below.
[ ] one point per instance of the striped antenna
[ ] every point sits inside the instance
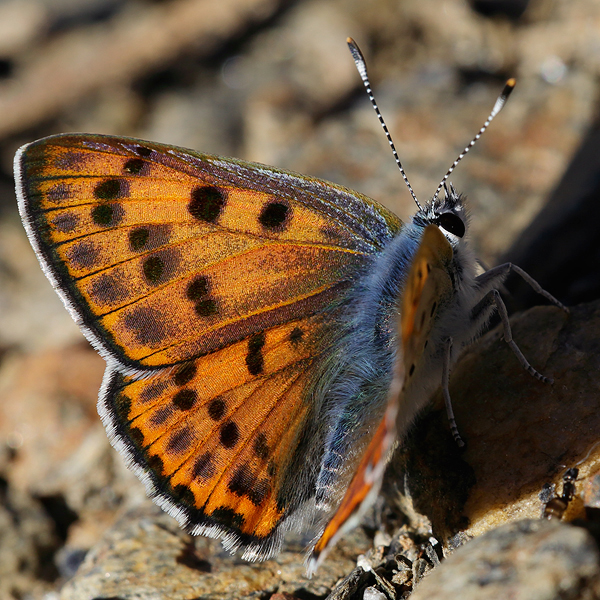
(500, 102)
(361, 65)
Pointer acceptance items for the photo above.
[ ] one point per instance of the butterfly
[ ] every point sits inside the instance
(269, 336)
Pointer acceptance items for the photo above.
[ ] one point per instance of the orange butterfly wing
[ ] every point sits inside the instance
(212, 287)
(126, 228)
(217, 439)
(428, 288)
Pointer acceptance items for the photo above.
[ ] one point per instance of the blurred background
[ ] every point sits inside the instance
(272, 81)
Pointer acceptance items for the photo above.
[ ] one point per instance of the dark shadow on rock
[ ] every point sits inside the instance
(189, 558)
(561, 247)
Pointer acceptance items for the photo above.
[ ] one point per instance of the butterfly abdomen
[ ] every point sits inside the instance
(357, 394)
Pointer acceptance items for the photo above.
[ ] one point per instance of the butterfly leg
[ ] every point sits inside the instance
(493, 298)
(501, 271)
(446, 393)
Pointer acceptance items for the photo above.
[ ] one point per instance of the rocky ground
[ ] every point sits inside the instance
(272, 81)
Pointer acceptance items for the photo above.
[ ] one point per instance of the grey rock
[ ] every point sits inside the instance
(531, 559)
(147, 556)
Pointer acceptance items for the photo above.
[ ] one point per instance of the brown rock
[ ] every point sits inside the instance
(47, 415)
(28, 542)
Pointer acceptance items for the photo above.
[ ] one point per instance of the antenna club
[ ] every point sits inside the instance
(509, 86)
(357, 55)
(500, 102)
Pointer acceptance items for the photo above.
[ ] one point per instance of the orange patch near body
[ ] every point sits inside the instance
(428, 284)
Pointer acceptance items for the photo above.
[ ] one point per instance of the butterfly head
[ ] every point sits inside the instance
(448, 213)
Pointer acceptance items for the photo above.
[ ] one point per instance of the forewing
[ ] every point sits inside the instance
(163, 255)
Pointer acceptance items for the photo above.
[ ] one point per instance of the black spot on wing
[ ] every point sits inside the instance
(216, 409)
(229, 434)
(148, 237)
(59, 192)
(184, 494)
(207, 203)
(136, 436)
(107, 290)
(185, 373)
(153, 390)
(180, 441)
(153, 268)
(65, 222)
(156, 463)
(160, 266)
(254, 357)
(261, 447)
(204, 467)
(245, 483)
(83, 254)
(275, 216)
(137, 166)
(198, 288)
(138, 238)
(71, 161)
(143, 151)
(242, 481)
(198, 292)
(185, 399)
(146, 324)
(206, 307)
(228, 517)
(107, 215)
(112, 189)
(161, 415)
(123, 406)
(296, 336)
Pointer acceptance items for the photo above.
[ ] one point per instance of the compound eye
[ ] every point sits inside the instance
(451, 223)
